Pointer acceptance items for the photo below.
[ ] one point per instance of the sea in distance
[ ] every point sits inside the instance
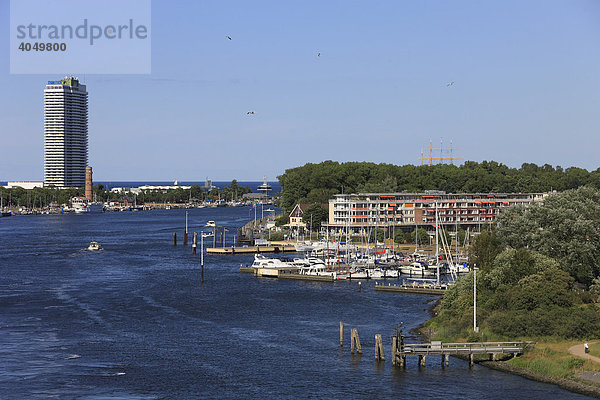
(134, 321)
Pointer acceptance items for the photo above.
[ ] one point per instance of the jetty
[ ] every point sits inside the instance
(414, 287)
(283, 248)
(400, 350)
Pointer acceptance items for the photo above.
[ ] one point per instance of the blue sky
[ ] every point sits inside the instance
(526, 89)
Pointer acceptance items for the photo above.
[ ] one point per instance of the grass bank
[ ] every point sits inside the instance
(552, 358)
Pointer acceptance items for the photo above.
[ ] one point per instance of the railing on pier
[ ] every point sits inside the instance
(465, 348)
(400, 350)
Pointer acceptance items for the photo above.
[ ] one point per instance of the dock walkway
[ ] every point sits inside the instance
(412, 288)
(422, 350)
(251, 249)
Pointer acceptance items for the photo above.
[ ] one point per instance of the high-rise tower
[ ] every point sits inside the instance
(65, 133)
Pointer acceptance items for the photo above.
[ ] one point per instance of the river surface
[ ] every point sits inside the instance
(133, 321)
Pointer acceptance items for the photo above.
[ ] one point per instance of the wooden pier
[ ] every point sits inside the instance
(251, 249)
(401, 350)
(412, 288)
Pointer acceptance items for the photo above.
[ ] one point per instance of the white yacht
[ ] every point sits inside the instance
(94, 246)
(416, 269)
(82, 205)
(265, 266)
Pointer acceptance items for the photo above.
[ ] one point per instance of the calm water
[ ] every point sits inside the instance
(133, 322)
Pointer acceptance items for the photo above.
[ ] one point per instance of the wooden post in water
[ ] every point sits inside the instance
(185, 231)
(174, 238)
(422, 361)
(341, 334)
(471, 360)
(379, 348)
(394, 338)
(445, 360)
(359, 285)
(194, 243)
(355, 341)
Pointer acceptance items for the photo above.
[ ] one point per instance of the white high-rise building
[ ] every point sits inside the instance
(65, 133)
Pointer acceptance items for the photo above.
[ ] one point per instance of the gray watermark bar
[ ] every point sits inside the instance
(82, 36)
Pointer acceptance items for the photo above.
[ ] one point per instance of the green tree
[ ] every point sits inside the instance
(399, 237)
(422, 237)
(461, 235)
(283, 219)
(318, 213)
(564, 227)
(484, 250)
(511, 265)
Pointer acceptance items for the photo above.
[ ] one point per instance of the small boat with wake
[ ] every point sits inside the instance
(94, 246)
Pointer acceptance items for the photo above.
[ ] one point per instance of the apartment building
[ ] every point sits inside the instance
(356, 212)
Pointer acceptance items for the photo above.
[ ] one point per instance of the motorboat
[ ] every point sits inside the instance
(359, 273)
(211, 224)
(94, 246)
(416, 269)
(82, 205)
(266, 266)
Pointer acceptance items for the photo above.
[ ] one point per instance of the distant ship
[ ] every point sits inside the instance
(264, 187)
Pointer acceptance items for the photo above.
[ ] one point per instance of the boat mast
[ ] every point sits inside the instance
(375, 232)
(437, 262)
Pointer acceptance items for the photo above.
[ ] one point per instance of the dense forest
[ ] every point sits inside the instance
(538, 273)
(317, 183)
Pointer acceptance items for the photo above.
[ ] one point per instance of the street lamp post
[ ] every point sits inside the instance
(475, 327)
(201, 257)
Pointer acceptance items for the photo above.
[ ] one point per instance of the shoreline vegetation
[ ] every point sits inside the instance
(537, 279)
(538, 268)
(548, 362)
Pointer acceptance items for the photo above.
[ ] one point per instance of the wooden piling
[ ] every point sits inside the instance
(359, 286)
(422, 361)
(379, 348)
(355, 341)
(446, 360)
(185, 238)
(394, 362)
(174, 238)
(471, 360)
(341, 334)
(194, 243)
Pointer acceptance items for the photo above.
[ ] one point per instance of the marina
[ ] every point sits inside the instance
(135, 321)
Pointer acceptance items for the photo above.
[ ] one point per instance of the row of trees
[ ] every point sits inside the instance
(317, 183)
(43, 197)
(538, 273)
